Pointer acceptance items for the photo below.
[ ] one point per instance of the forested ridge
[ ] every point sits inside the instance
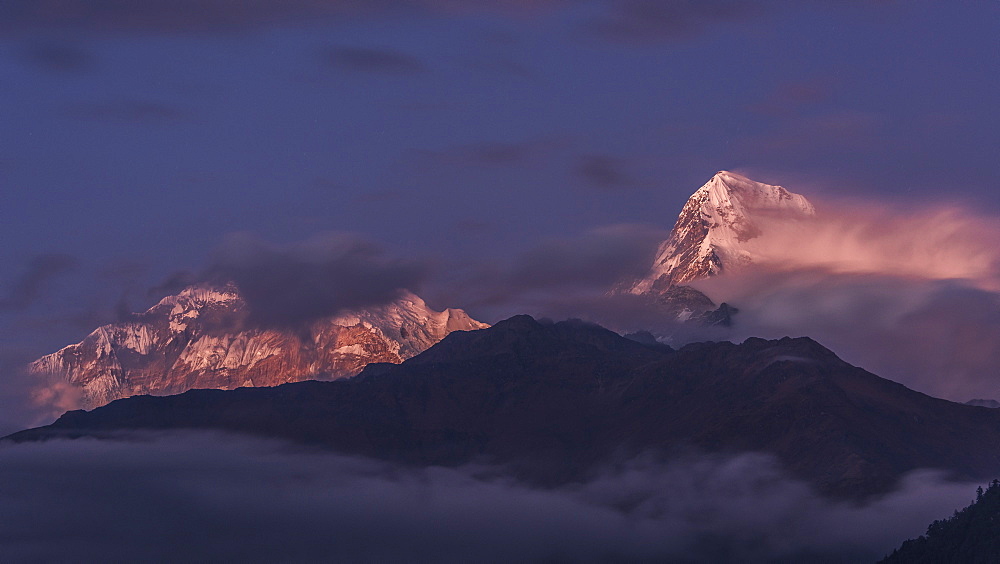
(970, 536)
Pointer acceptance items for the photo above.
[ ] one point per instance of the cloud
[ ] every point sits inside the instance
(788, 98)
(939, 242)
(513, 8)
(180, 16)
(911, 295)
(572, 278)
(126, 111)
(646, 21)
(843, 130)
(201, 497)
(58, 56)
(18, 16)
(603, 171)
(294, 284)
(937, 337)
(654, 20)
(595, 259)
(374, 60)
(383, 196)
(503, 67)
(29, 399)
(494, 153)
(39, 271)
(617, 20)
(557, 275)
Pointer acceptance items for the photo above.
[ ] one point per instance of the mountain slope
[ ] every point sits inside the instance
(714, 230)
(199, 339)
(555, 402)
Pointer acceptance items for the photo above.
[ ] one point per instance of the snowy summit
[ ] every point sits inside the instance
(713, 229)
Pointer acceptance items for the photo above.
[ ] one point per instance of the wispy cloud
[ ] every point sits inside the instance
(810, 136)
(932, 242)
(58, 56)
(603, 171)
(617, 20)
(179, 16)
(126, 111)
(23, 290)
(560, 277)
(385, 61)
(654, 20)
(492, 153)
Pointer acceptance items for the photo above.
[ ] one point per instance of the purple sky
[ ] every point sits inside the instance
(137, 136)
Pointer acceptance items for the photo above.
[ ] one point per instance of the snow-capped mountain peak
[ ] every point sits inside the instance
(197, 339)
(714, 229)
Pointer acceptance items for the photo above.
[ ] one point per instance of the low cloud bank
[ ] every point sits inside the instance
(194, 496)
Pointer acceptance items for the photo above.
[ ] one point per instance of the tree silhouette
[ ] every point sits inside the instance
(971, 535)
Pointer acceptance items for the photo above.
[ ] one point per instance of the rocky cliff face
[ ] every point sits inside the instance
(199, 339)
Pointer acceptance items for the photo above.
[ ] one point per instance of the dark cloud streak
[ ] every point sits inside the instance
(186, 16)
(374, 60)
(126, 111)
(39, 271)
(596, 259)
(620, 20)
(292, 285)
(560, 278)
(654, 20)
(603, 171)
(526, 152)
(58, 56)
(18, 16)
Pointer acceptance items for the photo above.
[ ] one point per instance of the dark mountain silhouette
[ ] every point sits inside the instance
(970, 536)
(554, 402)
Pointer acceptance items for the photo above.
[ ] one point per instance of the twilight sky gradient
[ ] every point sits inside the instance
(136, 137)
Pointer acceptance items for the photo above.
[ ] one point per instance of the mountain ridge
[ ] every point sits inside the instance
(553, 401)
